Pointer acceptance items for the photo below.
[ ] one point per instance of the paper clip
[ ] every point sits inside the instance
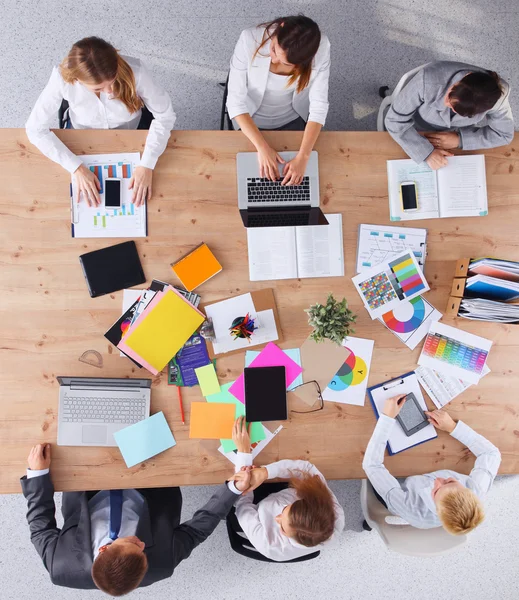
(388, 387)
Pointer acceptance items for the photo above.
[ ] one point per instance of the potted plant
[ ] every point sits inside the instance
(332, 321)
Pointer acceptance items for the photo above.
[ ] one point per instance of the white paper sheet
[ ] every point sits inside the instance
(320, 250)
(129, 298)
(399, 171)
(462, 187)
(256, 449)
(272, 253)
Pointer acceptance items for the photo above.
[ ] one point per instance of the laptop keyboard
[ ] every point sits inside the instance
(277, 220)
(263, 190)
(80, 409)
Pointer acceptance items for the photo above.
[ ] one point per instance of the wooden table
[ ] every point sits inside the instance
(48, 319)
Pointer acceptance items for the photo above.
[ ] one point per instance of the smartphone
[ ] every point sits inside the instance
(409, 195)
(112, 192)
(412, 417)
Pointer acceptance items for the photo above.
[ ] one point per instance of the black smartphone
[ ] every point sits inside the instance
(409, 195)
(412, 417)
(112, 192)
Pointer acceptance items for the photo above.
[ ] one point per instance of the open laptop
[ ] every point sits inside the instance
(92, 409)
(265, 203)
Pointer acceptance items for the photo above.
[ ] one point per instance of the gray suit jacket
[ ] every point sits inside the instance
(420, 107)
(67, 553)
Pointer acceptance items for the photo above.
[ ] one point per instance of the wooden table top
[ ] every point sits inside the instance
(49, 320)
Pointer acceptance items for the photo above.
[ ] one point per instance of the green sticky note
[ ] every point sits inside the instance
(207, 379)
(224, 396)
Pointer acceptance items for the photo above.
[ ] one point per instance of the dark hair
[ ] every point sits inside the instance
(118, 573)
(476, 93)
(299, 37)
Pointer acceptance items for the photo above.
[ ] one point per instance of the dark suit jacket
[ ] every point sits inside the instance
(67, 553)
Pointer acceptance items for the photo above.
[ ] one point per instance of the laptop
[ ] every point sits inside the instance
(265, 203)
(92, 409)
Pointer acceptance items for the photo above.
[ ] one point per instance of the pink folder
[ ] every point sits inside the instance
(270, 356)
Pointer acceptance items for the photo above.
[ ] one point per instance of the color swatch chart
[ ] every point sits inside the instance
(378, 291)
(405, 277)
(457, 354)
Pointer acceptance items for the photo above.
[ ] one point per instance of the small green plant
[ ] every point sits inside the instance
(332, 321)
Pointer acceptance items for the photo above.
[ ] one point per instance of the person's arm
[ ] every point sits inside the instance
(241, 439)
(294, 170)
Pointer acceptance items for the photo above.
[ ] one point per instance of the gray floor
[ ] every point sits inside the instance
(187, 45)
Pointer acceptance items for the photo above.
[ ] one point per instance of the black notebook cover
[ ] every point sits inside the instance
(265, 394)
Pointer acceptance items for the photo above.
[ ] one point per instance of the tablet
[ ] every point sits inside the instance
(265, 394)
(411, 416)
(111, 269)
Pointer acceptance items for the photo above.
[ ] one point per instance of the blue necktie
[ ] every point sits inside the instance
(116, 513)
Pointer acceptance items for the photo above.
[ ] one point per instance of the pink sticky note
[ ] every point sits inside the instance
(270, 356)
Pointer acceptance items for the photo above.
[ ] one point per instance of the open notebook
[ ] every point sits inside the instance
(294, 252)
(457, 190)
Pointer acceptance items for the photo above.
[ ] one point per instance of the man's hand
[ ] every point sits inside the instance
(441, 420)
(257, 476)
(39, 457)
(438, 159)
(242, 479)
(394, 405)
(241, 435)
(445, 140)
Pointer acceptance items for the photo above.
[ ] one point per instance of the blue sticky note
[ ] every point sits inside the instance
(293, 353)
(144, 439)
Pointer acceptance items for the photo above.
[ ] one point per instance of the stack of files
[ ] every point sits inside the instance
(161, 330)
(492, 288)
(480, 309)
(494, 267)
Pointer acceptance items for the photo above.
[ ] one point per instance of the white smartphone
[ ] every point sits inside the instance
(409, 196)
(112, 192)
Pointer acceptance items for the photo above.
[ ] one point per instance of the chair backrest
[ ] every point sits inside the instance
(386, 102)
(405, 539)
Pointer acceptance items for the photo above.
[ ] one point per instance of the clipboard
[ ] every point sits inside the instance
(263, 300)
(398, 441)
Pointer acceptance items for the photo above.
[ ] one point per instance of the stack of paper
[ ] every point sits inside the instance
(492, 288)
(494, 267)
(479, 309)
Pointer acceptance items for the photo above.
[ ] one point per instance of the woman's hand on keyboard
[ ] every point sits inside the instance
(294, 170)
(268, 160)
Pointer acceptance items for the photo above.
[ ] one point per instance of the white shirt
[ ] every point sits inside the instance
(258, 521)
(276, 107)
(87, 111)
(412, 499)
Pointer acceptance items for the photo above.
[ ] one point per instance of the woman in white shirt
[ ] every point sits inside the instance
(105, 91)
(279, 80)
(290, 523)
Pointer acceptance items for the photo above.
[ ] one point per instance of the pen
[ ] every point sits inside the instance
(181, 406)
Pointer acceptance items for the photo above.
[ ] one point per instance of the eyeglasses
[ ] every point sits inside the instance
(313, 389)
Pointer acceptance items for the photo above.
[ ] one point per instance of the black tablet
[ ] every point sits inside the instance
(265, 394)
(111, 269)
(412, 417)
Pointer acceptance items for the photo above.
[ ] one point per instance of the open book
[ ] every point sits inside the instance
(457, 190)
(293, 252)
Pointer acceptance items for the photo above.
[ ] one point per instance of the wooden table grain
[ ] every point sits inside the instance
(48, 319)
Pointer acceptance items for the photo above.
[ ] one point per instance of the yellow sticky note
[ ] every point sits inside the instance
(207, 379)
(211, 420)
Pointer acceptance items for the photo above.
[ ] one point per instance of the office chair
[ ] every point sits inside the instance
(144, 123)
(224, 115)
(404, 539)
(242, 545)
(63, 114)
(387, 97)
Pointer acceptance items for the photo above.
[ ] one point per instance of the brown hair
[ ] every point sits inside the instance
(312, 515)
(116, 572)
(95, 61)
(460, 511)
(299, 37)
(476, 93)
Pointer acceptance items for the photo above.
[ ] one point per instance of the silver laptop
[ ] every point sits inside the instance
(92, 409)
(265, 203)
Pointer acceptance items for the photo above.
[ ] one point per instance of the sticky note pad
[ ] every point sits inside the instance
(257, 432)
(211, 421)
(144, 439)
(207, 379)
(197, 267)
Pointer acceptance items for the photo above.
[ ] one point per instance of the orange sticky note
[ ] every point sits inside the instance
(211, 420)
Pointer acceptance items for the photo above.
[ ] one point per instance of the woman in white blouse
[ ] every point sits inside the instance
(105, 91)
(290, 523)
(279, 80)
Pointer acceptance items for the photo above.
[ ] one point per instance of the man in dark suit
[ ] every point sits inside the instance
(115, 540)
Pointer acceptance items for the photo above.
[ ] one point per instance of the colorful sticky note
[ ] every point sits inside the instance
(293, 353)
(270, 356)
(257, 431)
(211, 421)
(144, 439)
(207, 379)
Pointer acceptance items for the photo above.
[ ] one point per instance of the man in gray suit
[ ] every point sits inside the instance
(119, 540)
(457, 106)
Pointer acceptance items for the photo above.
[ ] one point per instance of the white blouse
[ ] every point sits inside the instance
(87, 111)
(258, 521)
(276, 108)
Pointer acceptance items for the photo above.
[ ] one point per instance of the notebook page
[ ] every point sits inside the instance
(320, 250)
(399, 171)
(272, 253)
(462, 187)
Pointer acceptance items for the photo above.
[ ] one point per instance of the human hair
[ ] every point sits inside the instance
(312, 515)
(476, 93)
(299, 37)
(117, 572)
(94, 61)
(460, 511)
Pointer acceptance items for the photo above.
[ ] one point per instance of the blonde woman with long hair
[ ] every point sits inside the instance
(105, 90)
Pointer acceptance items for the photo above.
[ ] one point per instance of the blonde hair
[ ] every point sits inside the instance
(460, 511)
(94, 61)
